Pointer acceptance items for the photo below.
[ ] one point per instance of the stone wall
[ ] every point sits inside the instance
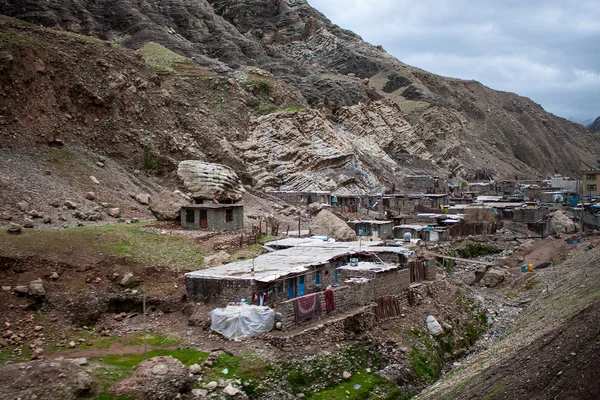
(219, 291)
(353, 295)
(216, 218)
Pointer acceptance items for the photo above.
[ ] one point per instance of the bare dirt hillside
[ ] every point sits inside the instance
(256, 82)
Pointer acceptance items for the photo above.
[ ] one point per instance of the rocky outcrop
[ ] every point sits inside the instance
(167, 205)
(210, 181)
(158, 378)
(559, 224)
(365, 120)
(594, 127)
(327, 224)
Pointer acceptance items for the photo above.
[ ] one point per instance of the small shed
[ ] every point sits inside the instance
(213, 216)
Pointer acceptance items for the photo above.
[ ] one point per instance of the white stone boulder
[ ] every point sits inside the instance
(210, 181)
(167, 205)
(328, 224)
(433, 326)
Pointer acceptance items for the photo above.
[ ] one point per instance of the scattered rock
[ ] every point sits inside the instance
(6, 216)
(230, 390)
(37, 353)
(143, 198)
(35, 214)
(212, 385)
(47, 220)
(90, 196)
(14, 229)
(158, 378)
(81, 361)
(127, 279)
(195, 369)
(114, 212)
(84, 382)
(494, 275)
(315, 208)
(36, 288)
(70, 205)
(346, 375)
(167, 205)
(21, 289)
(433, 326)
(100, 164)
(95, 180)
(23, 206)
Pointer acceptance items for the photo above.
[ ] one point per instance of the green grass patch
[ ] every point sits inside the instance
(162, 59)
(475, 249)
(361, 386)
(125, 240)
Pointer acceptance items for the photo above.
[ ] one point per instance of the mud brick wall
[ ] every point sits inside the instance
(219, 291)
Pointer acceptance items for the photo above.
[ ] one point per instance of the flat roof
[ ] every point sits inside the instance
(301, 256)
(371, 222)
(369, 266)
(211, 205)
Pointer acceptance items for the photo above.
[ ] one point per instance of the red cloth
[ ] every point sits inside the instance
(306, 307)
(329, 300)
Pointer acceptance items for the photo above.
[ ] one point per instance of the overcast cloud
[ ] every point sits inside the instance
(547, 50)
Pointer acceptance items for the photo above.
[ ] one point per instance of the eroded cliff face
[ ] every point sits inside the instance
(274, 90)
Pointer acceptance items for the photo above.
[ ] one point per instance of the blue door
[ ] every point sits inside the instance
(290, 288)
(317, 278)
(301, 286)
(335, 276)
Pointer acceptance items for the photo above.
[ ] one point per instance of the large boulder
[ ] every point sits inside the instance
(159, 378)
(327, 224)
(167, 205)
(559, 223)
(210, 181)
(494, 275)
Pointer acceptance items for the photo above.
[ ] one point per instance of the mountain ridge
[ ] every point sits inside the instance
(449, 127)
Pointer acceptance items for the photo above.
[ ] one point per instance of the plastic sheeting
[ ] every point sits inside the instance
(236, 322)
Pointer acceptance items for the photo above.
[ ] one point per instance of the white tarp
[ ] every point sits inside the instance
(235, 322)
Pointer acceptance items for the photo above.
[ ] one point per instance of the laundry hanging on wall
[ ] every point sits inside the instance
(329, 301)
(307, 307)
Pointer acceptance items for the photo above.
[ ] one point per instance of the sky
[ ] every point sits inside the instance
(547, 50)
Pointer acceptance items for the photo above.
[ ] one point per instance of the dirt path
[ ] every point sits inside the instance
(113, 350)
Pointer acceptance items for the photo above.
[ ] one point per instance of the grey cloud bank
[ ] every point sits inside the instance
(546, 50)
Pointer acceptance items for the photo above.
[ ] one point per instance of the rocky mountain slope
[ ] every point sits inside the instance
(271, 88)
(594, 127)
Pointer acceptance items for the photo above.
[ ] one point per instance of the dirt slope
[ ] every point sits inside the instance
(456, 126)
(551, 350)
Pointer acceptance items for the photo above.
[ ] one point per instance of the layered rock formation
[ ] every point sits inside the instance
(210, 181)
(272, 89)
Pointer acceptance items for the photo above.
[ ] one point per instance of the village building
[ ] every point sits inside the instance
(313, 271)
(303, 198)
(591, 183)
(372, 229)
(217, 193)
(213, 216)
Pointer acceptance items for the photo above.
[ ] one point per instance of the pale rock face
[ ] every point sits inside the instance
(327, 224)
(560, 223)
(433, 326)
(167, 205)
(210, 181)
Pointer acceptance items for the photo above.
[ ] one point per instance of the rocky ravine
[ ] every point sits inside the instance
(276, 91)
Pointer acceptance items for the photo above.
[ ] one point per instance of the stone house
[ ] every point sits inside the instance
(213, 216)
(372, 229)
(302, 198)
(306, 267)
